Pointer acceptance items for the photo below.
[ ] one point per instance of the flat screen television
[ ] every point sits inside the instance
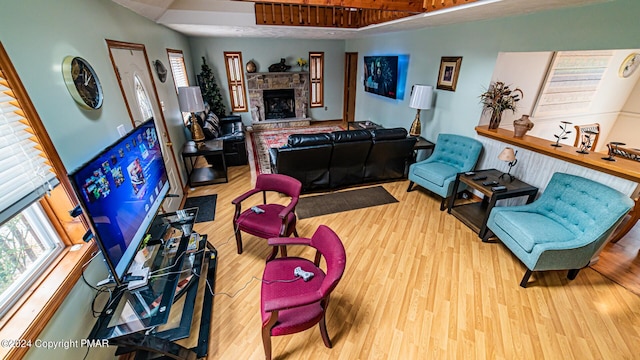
(120, 190)
(385, 75)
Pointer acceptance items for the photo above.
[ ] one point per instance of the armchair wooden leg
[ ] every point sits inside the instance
(410, 186)
(239, 241)
(487, 235)
(324, 333)
(266, 335)
(443, 203)
(572, 274)
(525, 279)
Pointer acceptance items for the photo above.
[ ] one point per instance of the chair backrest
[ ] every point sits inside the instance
(459, 151)
(329, 245)
(582, 205)
(279, 183)
(580, 134)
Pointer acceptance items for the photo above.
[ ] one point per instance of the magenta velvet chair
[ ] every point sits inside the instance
(276, 220)
(288, 306)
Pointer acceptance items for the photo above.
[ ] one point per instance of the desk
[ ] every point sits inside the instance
(161, 318)
(476, 214)
(214, 173)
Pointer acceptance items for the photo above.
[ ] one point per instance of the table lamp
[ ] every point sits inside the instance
(190, 100)
(508, 155)
(421, 98)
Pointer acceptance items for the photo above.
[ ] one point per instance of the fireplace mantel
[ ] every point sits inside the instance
(258, 82)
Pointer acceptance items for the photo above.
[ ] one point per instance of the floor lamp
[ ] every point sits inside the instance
(190, 100)
(421, 98)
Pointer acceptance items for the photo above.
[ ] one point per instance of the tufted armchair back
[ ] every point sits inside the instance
(582, 206)
(458, 151)
(564, 229)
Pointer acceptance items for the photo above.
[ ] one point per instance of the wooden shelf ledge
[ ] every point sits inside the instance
(624, 168)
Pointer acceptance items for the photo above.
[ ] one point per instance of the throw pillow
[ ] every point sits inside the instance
(211, 126)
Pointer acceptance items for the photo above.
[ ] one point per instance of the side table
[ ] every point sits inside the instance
(476, 214)
(359, 125)
(422, 144)
(214, 173)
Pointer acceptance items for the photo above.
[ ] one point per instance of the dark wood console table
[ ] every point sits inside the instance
(214, 173)
(171, 315)
(476, 214)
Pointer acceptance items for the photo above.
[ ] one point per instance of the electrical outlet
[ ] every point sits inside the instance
(121, 130)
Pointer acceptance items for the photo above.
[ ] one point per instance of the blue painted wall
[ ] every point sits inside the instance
(265, 52)
(612, 25)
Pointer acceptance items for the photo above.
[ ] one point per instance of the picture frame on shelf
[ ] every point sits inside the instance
(449, 71)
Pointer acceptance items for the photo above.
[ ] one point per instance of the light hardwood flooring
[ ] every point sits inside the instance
(419, 285)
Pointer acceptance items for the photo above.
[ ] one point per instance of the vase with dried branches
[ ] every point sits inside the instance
(498, 98)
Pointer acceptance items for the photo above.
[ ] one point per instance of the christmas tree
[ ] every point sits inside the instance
(210, 91)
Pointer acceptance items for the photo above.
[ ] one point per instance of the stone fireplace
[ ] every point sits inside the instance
(275, 96)
(279, 104)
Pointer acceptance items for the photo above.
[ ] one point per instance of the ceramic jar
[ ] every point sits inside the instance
(251, 66)
(521, 126)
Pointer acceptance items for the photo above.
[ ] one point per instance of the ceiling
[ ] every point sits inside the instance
(223, 18)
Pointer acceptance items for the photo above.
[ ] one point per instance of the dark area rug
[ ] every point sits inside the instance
(206, 207)
(343, 201)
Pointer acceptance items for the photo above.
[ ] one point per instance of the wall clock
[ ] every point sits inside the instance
(82, 82)
(629, 65)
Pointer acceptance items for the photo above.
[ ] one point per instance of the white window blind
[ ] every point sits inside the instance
(25, 172)
(178, 69)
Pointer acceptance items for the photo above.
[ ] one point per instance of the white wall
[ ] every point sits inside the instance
(527, 70)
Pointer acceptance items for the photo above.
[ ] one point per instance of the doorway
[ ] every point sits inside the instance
(350, 87)
(132, 69)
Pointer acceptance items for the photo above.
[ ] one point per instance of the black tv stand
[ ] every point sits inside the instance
(151, 319)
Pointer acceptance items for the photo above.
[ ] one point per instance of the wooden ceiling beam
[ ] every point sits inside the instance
(288, 14)
(415, 6)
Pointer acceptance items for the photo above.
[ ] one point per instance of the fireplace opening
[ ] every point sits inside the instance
(279, 104)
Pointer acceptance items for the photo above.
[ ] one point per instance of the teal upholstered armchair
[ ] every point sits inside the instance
(453, 154)
(564, 228)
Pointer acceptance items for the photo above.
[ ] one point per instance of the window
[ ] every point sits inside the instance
(235, 78)
(180, 78)
(143, 99)
(28, 243)
(316, 77)
(38, 268)
(178, 69)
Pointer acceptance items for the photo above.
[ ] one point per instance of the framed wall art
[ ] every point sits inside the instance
(449, 70)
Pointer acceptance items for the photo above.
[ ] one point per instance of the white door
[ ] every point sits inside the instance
(142, 101)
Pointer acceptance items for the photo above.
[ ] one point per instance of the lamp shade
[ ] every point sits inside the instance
(507, 155)
(190, 99)
(421, 97)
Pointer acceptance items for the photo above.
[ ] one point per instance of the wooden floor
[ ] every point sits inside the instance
(419, 285)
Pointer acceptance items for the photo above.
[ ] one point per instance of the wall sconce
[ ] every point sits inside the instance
(190, 100)
(510, 156)
(421, 98)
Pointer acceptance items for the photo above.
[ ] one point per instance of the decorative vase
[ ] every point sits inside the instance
(251, 66)
(496, 117)
(521, 126)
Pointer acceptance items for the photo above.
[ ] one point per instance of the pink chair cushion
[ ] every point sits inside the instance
(267, 224)
(296, 319)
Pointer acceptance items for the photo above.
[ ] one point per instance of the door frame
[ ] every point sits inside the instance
(115, 44)
(350, 85)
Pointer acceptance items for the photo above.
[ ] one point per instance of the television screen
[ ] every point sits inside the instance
(120, 191)
(381, 75)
